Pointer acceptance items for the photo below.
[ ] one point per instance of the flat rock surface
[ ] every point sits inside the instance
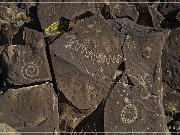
(135, 105)
(93, 51)
(53, 12)
(131, 109)
(90, 66)
(31, 109)
(24, 65)
(171, 60)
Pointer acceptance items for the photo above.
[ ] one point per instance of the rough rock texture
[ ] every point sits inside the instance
(171, 79)
(54, 12)
(85, 61)
(171, 60)
(124, 10)
(30, 109)
(157, 18)
(24, 65)
(136, 100)
(90, 67)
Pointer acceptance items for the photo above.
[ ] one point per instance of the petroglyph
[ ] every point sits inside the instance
(31, 69)
(91, 74)
(129, 114)
(51, 10)
(91, 53)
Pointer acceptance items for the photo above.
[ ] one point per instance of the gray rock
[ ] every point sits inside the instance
(30, 109)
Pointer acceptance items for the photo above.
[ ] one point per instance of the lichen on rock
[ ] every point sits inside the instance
(10, 14)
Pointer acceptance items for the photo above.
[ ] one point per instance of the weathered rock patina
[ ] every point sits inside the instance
(136, 100)
(30, 109)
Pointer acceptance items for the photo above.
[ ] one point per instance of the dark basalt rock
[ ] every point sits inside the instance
(136, 101)
(171, 101)
(130, 108)
(85, 62)
(30, 109)
(171, 60)
(114, 67)
(125, 10)
(53, 12)
(144, 14)
(33, 38)
(168, 9)
(142, 53)
(78, 87)
(157, 18)
(170, 12)
(24, 65)
(91, 55)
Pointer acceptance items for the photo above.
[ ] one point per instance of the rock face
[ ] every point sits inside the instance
(31, 109)
(171, 77)
(24, 65)
(136, 100)
(6, 128)
(125, 10)
(54, 12)
(171, 60)
(91, 67)
(88, 60)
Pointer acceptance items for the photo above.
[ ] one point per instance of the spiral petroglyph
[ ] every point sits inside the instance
(51, 10)
(129, 114)
(31, 69)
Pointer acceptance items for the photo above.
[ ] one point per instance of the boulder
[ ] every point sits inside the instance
(30, 109)
(135, 104)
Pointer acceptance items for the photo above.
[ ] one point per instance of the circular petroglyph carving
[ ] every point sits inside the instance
(32, 64)
(30, 70)
(129, 114)
(51, 10)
